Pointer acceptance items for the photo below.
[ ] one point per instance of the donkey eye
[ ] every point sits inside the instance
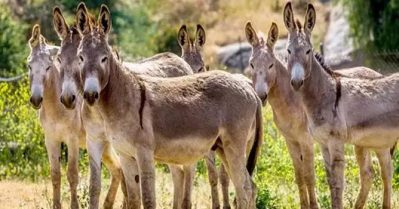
(252, 66)
(48, 68)
(29, 67)
(59, 59)
(81, 58)
(308, 51)
(271, 66)
(289, 51)
(104, 59)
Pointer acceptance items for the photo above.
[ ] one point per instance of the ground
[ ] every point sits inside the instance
(25, 194)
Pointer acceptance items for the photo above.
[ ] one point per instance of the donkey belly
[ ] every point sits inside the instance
(375, 137)
(185, 150)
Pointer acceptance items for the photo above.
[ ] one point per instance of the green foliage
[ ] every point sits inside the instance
(374, 23)
(22, 151)
(275, 179)
(12, 43)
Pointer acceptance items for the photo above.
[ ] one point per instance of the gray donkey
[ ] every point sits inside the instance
(174, 120)
(362, 112)
(271, 82)
(59, 125)
(191, 53)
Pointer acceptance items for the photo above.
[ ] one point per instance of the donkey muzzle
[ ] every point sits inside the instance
(91, 90)
(296, 84)
(90, 97)
(263, 98)
(36, 101)
(69, 101)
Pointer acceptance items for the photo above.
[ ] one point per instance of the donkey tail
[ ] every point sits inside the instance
(255, 150)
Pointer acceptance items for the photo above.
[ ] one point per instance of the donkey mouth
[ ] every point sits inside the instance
(36, 107)
(90, 98)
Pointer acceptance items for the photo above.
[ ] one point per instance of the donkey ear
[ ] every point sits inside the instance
(104, 20)
(289, 17)
(200, 37)
(36, 36)
(252, 37)
(310, 19)
(182, 37)
(60, 26)
(272, 36)
(83, 19)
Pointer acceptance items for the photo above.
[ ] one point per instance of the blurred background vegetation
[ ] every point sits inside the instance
(143, 28)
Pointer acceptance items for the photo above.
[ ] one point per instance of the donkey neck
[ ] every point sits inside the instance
(122, 87)
(281, 94)
(51, 94)
(286, 106)
(319, 91)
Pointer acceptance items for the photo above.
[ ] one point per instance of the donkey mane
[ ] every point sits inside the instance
(320, 59)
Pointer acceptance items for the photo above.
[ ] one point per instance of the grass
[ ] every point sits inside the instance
(38, 195)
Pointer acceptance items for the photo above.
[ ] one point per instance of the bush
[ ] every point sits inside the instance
(22, 150)
(374, 23)
(13, 49)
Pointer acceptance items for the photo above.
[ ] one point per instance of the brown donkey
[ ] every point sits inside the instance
(271, 82)
(98, 147)
(59, 125)
(343, 110)
(174, 120)
(191, 53)
(161, 65)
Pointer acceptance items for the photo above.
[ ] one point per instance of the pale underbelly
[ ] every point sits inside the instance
(183, 151)
(375, 138)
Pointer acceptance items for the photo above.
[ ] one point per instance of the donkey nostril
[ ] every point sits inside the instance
(95, 95)
(292, 82)
(300, 83)
(73, 98)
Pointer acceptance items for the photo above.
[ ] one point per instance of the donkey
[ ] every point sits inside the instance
(161, 65)
(271, 82)
(167, 64)
(59, 125)
(343, 110)
(98, 147)
(174, 120)
(191, 53)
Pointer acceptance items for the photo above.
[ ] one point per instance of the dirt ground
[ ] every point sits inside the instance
(23, 194)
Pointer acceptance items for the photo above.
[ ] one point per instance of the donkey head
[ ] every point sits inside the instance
(67, 61)
(191, 51)
(262, 60)
(40, 63)
(300, 49)
(94, 52)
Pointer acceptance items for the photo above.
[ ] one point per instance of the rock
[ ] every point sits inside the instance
(338, 49)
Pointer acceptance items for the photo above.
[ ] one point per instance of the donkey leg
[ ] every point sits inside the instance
(73, 171)
(364, 161)
(95, 150)
(239, 175)
(385, 160)
(336, 149)
(213, 179)
(224, 182)
(111, 161)
(132, 181)
(297, 159)
(145, 160)
(309, 173)
(189, 172)
(178, 185)
(53, 150)
(327, 165)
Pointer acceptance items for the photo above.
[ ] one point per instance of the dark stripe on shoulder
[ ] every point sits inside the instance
(142, 101)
